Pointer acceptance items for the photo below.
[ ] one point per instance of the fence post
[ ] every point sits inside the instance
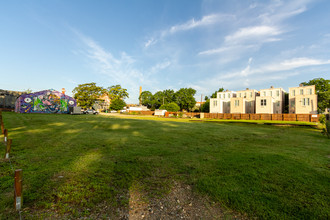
(18, 189)
(9, 142)
(5, 137)
(2, 127)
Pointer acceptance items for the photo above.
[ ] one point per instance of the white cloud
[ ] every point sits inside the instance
(255, 33)
(206, 20)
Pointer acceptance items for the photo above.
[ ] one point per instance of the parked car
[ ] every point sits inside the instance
(91, 111)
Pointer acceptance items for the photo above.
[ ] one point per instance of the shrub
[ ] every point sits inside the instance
(171, 107)
(322, 119)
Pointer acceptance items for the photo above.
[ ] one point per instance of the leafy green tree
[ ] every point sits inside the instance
(116, 92)
(147, 99)
(322, 89)
(206, 106)
(158, 99)
(214, 95)
(169, 96)
(185, 98)
(86, 94)
(170, 107)
(117, 104)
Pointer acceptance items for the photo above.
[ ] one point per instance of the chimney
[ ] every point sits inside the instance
(63, 91)
(272, 87)
(301, 85)
(140, 95)
(247, 88)
(227, 90)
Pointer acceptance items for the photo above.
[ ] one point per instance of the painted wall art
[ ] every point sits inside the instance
(47, 101)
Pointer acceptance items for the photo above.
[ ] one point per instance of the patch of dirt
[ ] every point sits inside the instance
(180, 203)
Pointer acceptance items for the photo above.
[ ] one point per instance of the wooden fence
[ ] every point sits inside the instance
(237, 116)
(270, 117)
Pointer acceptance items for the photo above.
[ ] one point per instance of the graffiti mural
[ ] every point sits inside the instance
(47, 101)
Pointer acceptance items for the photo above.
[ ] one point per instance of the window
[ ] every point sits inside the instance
(215, 103)
(239, 95)
(309, 91)
(236, 103)
(228, 95)
(264, 93)
(245, 95)
(301, 92)
(263, 102)
(305, 101)
(270, 93)
(278, 103)
(220, 96)
(251, 94)
(293, 93)
(277, 93)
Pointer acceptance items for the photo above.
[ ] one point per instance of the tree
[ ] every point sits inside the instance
(116, 92)
(206, 106)
(214, 95)
(146, 98)
(185, 98)
(322, 89)
(158, 99)
(169, 96)
(171, 107)
(86, 94)
(117, 104)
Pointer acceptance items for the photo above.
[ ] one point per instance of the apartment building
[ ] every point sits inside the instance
(221, 104)
(303, 100)
(244, 101)
(270, 101)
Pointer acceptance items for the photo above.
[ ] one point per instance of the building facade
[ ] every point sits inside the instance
(270, 101)
(248, 103)
(221, 104)
(303, 100)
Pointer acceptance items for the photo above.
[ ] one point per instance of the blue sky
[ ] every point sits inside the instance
(163, 44)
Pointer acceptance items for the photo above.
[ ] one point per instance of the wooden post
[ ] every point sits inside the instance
(5, 135)
(9, 142)
(2, 127)
(18, 190)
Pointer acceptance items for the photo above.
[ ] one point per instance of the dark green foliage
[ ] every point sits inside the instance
(171, 107)
(117, 92)
(185, 98)
(147, 99)
(322, 88)
(206, 106)
(86, 94)
(117, 104)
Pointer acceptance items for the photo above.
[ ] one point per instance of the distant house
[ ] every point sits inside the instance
(46, 101)
(270, 101)
(103, 102)
(303, 100)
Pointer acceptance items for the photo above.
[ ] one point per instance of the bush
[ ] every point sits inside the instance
(171, 107)
(322, 119)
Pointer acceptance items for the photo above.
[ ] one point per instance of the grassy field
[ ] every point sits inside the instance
(72, 164)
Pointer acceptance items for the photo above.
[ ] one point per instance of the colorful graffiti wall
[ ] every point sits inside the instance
(47, 101)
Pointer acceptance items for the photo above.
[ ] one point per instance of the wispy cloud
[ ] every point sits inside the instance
(206, 20)
(256, 33)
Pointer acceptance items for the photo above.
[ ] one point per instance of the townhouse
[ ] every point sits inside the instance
(221, 104)
(270, 101)
(244, 102)
(303, 100)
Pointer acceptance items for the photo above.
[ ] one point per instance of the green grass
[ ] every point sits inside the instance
(74, 163)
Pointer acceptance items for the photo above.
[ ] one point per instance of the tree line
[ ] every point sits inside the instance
(183, 99)
(89, 93)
